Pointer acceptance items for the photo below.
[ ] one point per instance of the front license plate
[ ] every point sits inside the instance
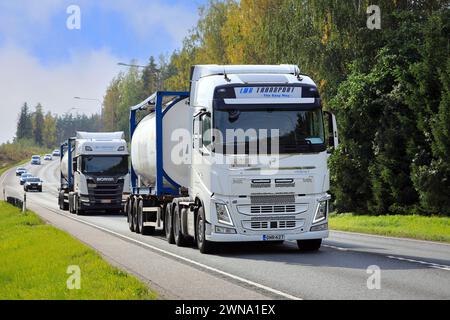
(273, 237)
(106, 201)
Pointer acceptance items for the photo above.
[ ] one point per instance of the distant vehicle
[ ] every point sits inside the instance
(48, 157)
(94, 172)
(20, 171)
(36, 160)
(56, 153)
(33, 183)
(24, 177)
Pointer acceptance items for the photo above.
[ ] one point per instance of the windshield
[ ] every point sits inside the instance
(33, 180)
(26, 175)
(35, 158)
(299, 131)
(105, 165)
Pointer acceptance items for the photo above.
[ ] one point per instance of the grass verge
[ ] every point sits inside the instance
(408, 226)
(34, 259)
(9, 166)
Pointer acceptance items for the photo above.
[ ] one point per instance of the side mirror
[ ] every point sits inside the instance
(332, 131)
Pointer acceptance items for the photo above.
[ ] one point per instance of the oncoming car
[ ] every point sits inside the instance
(36, 160)
(33, 183)
(24, 177)
(20, 171)
(48, 157)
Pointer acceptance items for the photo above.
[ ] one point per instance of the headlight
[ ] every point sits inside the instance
(321, 212)
(223, 215)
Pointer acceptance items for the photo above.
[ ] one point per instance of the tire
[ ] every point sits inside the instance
(205, 246)
(179, 238)
(77, 203)
(309, 245)
(144, 230)
(168, 219)
(71, 203)
(130, 205)
(135, 216)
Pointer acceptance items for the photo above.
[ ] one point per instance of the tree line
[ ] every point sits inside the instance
(49, 131)
(389, 87)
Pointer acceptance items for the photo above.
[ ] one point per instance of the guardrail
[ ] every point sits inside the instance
(19, 203)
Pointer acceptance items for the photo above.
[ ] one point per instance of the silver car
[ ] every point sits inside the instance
(24, 177)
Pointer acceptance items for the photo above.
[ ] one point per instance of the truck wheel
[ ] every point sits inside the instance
(130, 205)
(78, 211)
(179, 238)
(203, 245)
(168, 218)
(135, 216)
(309, 245)
(144, 230)
(71, 203)
(62, 205)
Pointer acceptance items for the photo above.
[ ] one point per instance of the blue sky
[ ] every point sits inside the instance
(41, 60)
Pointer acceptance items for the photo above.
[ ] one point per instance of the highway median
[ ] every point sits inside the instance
(39, 261)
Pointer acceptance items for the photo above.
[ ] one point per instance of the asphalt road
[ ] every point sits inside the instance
(408, 269)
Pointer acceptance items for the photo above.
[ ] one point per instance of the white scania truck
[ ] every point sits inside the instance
(197, 185)
(94, 172)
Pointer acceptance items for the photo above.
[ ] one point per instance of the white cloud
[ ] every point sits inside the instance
(150, 17)
(24, 78)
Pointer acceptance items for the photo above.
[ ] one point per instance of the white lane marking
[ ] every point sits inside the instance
(201, 265)
(334, 247)
(432, 265)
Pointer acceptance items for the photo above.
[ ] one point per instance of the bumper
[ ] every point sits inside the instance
(219, 237)
(98, 205)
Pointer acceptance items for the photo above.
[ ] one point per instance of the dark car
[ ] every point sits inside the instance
(24, 177)
(33, 183)
(20, 171)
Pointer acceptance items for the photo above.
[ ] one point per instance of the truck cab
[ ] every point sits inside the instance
(260, 154)
(94, 172)
(241, 157)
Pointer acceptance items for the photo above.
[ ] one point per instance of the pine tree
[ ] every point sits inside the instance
(38, 125)
(24, 124)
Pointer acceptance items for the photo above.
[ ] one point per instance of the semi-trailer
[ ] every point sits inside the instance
(94, 172)
(240, 157)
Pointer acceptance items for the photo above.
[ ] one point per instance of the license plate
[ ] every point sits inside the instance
(273, 237)
(106, 201)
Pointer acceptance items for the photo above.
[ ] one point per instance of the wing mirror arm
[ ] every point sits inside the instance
(333, 138)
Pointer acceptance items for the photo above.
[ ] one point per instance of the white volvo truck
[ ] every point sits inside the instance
(197, 185)
(94, 172)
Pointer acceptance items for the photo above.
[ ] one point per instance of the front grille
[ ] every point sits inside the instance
(272, 209)
(272, 199)
(272, 225)
(107, 191)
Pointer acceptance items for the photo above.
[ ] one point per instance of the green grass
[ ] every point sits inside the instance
(9, 166)
(408, 226)
(34, 258)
